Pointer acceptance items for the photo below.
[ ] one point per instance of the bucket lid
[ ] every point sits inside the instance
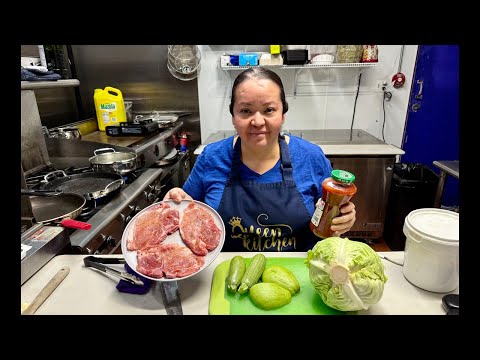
(436, 225)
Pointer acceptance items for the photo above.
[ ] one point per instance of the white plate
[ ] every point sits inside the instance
(131, 256)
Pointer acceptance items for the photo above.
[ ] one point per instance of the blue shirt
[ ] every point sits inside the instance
(212, 168)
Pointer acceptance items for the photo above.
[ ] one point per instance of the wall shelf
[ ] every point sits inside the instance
(33, 85)
(306, 66)
(298, 68)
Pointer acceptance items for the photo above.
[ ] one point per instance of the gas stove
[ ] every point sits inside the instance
(110, 219)
(109, 215)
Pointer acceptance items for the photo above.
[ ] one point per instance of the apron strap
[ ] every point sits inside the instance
(286, 163)
(236, 162)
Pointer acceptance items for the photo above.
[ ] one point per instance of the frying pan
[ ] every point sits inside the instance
(57, 208)
(90, 185)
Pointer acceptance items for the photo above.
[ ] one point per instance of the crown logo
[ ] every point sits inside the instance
(235, 221)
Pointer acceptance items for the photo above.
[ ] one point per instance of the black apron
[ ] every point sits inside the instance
(264, 216)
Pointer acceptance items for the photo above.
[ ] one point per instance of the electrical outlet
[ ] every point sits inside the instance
(382, 85)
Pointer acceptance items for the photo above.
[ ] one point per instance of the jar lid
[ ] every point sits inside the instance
(343, 176)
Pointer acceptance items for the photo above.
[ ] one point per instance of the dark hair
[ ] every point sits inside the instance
(260, 73)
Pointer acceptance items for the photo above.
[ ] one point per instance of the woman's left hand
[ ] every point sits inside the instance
(343, 223)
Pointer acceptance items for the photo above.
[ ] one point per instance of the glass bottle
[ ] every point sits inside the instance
(370, 54)
(336, 191)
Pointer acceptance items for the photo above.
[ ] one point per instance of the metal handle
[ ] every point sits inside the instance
(41, 192)
(113, 183)
(419, 95)
(104, 150)
(50, 174)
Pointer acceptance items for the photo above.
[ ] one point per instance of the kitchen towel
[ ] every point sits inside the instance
(125, 286)
(27, 75)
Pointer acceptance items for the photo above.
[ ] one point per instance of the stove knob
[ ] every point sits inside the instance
(158, 189)
(110, 240)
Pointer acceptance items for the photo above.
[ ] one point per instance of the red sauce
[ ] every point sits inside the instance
(334, 194)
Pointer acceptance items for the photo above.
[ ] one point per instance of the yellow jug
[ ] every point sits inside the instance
(109, 106)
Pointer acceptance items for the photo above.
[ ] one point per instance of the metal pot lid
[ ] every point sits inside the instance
(113, 157)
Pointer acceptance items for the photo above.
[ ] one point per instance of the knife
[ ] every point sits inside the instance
(98, 263)
(171, 297)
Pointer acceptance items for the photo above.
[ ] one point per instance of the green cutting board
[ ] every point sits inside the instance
(305, 302)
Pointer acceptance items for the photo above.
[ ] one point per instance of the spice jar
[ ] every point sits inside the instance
(336, 191)
(370, 54)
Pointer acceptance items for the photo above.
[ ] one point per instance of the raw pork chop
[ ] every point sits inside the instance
(169, 260)
(198, 229)
(152, 227)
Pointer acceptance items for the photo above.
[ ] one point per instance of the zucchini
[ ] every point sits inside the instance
(253, 273)
(236, 271)
(281, 276)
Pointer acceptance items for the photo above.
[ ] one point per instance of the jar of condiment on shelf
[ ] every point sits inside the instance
(183, 142)
(370, 54)
(336, 191)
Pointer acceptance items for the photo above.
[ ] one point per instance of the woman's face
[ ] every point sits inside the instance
(257, 112)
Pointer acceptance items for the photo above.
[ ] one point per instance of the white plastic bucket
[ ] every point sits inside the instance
(431, 249)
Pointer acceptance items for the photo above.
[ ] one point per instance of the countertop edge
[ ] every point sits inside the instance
(346, 149)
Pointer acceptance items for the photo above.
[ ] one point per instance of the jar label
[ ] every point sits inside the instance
(317, 215)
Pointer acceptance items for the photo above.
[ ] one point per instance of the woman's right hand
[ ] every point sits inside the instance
(177, 194)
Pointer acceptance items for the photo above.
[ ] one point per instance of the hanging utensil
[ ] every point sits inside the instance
(47, 291)
(183, 61)
(399, 79)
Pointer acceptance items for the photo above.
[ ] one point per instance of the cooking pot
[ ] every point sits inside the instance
(50, 207)
(65, 133)
(109, 160)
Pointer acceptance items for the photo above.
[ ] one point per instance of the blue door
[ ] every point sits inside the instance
(432, 124)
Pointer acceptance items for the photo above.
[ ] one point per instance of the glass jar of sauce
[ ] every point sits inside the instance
(336, 191)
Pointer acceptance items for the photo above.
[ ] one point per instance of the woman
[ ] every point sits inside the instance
(264, 185)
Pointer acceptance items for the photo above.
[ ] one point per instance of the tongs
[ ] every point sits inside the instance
(98, 263)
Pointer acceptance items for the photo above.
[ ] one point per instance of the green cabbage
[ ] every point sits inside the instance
(347, 274)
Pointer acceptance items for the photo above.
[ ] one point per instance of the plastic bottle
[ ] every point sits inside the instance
(109, 106)
(336, 191)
